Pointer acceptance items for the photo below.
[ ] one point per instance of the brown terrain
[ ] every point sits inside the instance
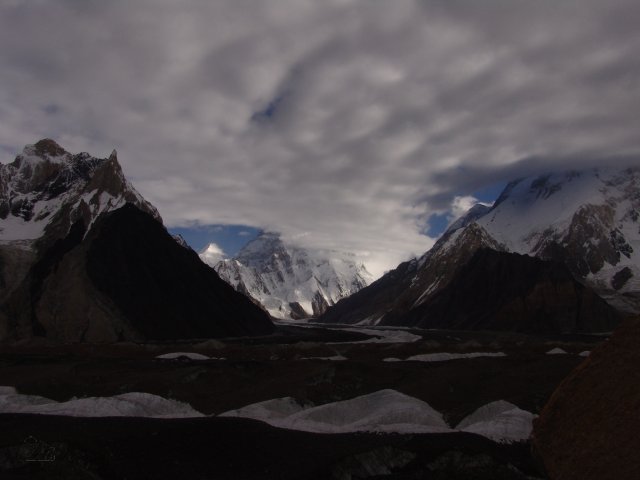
(590, 427)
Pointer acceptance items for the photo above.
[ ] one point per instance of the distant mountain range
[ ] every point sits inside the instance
(580, 232)
(83, 257)
(288, 281)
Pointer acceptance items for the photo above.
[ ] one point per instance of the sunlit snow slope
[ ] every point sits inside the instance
(291, 282)
(588, 220)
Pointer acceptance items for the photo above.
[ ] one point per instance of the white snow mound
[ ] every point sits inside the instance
(586, 353)
(189, 355)
(134, 404)
(499, 421)
(382, 411)
(556, 351)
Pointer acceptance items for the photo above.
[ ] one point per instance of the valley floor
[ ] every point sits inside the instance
(314, 365)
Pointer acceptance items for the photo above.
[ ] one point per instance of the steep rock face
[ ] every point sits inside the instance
(589, 428)
(523, 294)
(589, 221)
(100, 266)
(291, 282)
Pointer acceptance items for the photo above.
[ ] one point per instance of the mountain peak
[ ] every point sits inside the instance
(290, 281)
(48, 147)
(46, 186)
(114, 155)
(45, 151)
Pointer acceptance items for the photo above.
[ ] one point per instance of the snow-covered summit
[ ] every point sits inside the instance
(589, 220)
(45, 189)
(289, 281)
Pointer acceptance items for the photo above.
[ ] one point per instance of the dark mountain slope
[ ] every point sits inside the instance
(507, 291)
(162, 288)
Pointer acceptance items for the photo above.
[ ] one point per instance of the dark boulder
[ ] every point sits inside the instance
(589, 428)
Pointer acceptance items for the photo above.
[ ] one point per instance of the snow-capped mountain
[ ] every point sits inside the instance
(588, 220)
(288, 281)
(45, 189)
(584, 222)
(83, 257)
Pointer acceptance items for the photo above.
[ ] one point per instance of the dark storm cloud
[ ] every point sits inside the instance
(342, 123)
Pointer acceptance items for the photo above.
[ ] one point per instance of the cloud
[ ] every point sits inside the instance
(461, 205)
(212, 254)
(349, 120)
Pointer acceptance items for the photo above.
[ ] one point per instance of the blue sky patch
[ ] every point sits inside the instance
(230, 238)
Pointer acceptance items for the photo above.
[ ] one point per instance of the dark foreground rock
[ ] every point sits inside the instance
(42, 447)
(589, 428)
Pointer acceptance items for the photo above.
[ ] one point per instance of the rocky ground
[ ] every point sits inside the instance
(289, 363)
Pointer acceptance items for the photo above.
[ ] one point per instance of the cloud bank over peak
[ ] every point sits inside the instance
(344, 123)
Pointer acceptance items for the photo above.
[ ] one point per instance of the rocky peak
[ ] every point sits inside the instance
(45, 189)
(48, 148)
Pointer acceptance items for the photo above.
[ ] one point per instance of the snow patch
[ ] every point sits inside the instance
(189, 355)
(134, 404)
(586, 353)
(556, 351)
(499, 421)
(383, 336)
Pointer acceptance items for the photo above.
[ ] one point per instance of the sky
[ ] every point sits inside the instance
(357, 125)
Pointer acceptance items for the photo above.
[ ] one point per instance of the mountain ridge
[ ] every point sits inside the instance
(550, 217)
